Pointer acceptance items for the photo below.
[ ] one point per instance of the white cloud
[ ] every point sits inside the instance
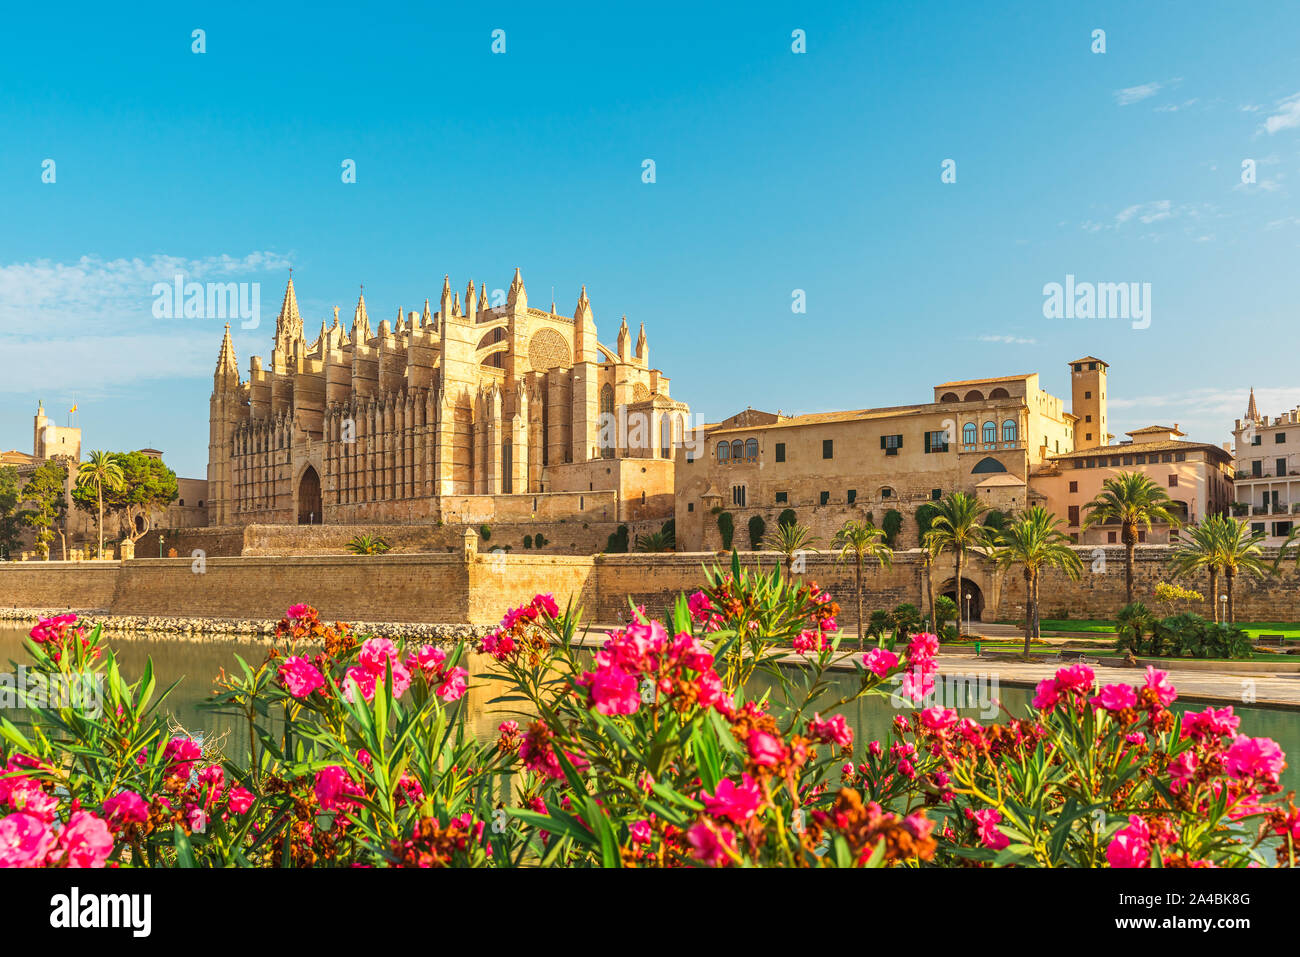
(1286, 115)
(1151, 212)
(1135, 94)
(1009, 340)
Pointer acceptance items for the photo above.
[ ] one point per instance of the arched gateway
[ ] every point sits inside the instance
(309, 506)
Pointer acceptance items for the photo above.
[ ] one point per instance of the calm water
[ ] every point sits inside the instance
(194, 664)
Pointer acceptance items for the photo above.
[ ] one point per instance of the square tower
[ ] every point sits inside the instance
(1088, 403)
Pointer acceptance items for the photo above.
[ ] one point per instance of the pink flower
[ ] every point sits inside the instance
(300, 676)
(1212, 722)
(52, 629)
(334, 788)
(765, 749)
(1182, 769)
(241, 800)
(710, 845)
(918, 825)
(880, 661)
(546, 604)
(1046, 694)
(375, 657)
(85, 842)
(181, 754)
(938, 718)
(640, 832)
(1116, 697)
(986, 822)
(1075, 678)
(24, 840)
(1259, 758)
(1158, 681)
(923, 646)
(453, 685)
(1131, 846)
(832, 730)
(736, 803)
(917, 683)
(126, 807)
(297, 611)
(427, 659)
(612, 690)
(26, 794)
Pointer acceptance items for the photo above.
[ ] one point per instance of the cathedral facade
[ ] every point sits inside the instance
(464, 414)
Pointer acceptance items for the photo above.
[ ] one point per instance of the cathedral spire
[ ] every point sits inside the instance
(623, 337)
(471, 301)
(1252, 412)
(426, 320)
(360, 320)
(444, 304)
(517, 299)
(227, 374)
(288, 325)
(642, 351)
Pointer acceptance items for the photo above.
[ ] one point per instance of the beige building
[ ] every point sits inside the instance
(1196, 475)
(983, 436)
(474, 413)
(1267, 470)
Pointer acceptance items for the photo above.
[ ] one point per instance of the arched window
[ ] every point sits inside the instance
(724, 452)
(999, 393)
(990, 432)
(737, 450)
(968, 433)
(1009, 430)
(608, 424)
(751, 450)
(974, 395)
(666, 438)
(949, 397)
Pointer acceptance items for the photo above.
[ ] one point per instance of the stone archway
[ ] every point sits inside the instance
(309, 503)
(968, 588)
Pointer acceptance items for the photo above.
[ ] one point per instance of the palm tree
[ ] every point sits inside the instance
(1204, 550)
(860, 541)
(367, 544)
(1034, 542)
(957, 526)
(1135, 502)
(99, 472)
(931, 549)
(789, 539)
(1241, 555)
(659, 541)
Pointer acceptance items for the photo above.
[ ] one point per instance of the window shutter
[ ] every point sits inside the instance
(927, 441)
(882, 442)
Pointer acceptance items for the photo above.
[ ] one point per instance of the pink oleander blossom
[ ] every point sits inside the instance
(986, 825)
(736, 803)
(1116, 697)
(1047, 694)
(938, 718)
(1158, 681)
(25, 840)
(241, 799)
(711, 845)
(1131, 845)
(1258, 758)
(612, 690)
(880, 661)
(454, 684)
(85, 842)
(181, 754)
(126, 807)
(832, 730)
(300, 676)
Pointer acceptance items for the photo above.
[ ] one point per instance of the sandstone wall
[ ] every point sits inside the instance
(469, 587)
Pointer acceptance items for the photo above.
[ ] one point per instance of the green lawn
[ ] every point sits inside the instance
(1289, 630)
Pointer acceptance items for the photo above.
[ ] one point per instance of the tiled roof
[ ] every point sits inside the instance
(829, 418)
(1000, 378)
(1143, 448)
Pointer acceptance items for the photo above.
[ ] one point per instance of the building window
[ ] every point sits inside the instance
(1281, 528)
(1088, 436)
(936, 494)
(825, 497)
(782, 498)
(990, 432)
(1009, 431)
(1088, 395)
(853, 495)
(737, 495)
(1142, 536)
(1257, 440)
(1180, 456)
(891, 443)
(1256, 527)
(1281, 467)
(724, 452)
(737, 450)
(181, 502)
(780, 451)
(690, 506)
(1074, 515)
(1256, 468)
(828, 448)
(968, 433)
(1110, 538)
(886, 492)
(936, 441)
(751, 450)
(1087, 418)
(1279, 437)
(1173, 480)
(1074, 486)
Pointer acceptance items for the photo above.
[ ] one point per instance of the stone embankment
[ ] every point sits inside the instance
(212, 629)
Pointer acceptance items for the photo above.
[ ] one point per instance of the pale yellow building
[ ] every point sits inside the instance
(1197, 476)
(1267, 471)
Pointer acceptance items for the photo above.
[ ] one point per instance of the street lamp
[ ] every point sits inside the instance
(968, 613)
(1223, 609)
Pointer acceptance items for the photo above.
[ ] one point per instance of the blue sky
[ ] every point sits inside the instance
(775, 171)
